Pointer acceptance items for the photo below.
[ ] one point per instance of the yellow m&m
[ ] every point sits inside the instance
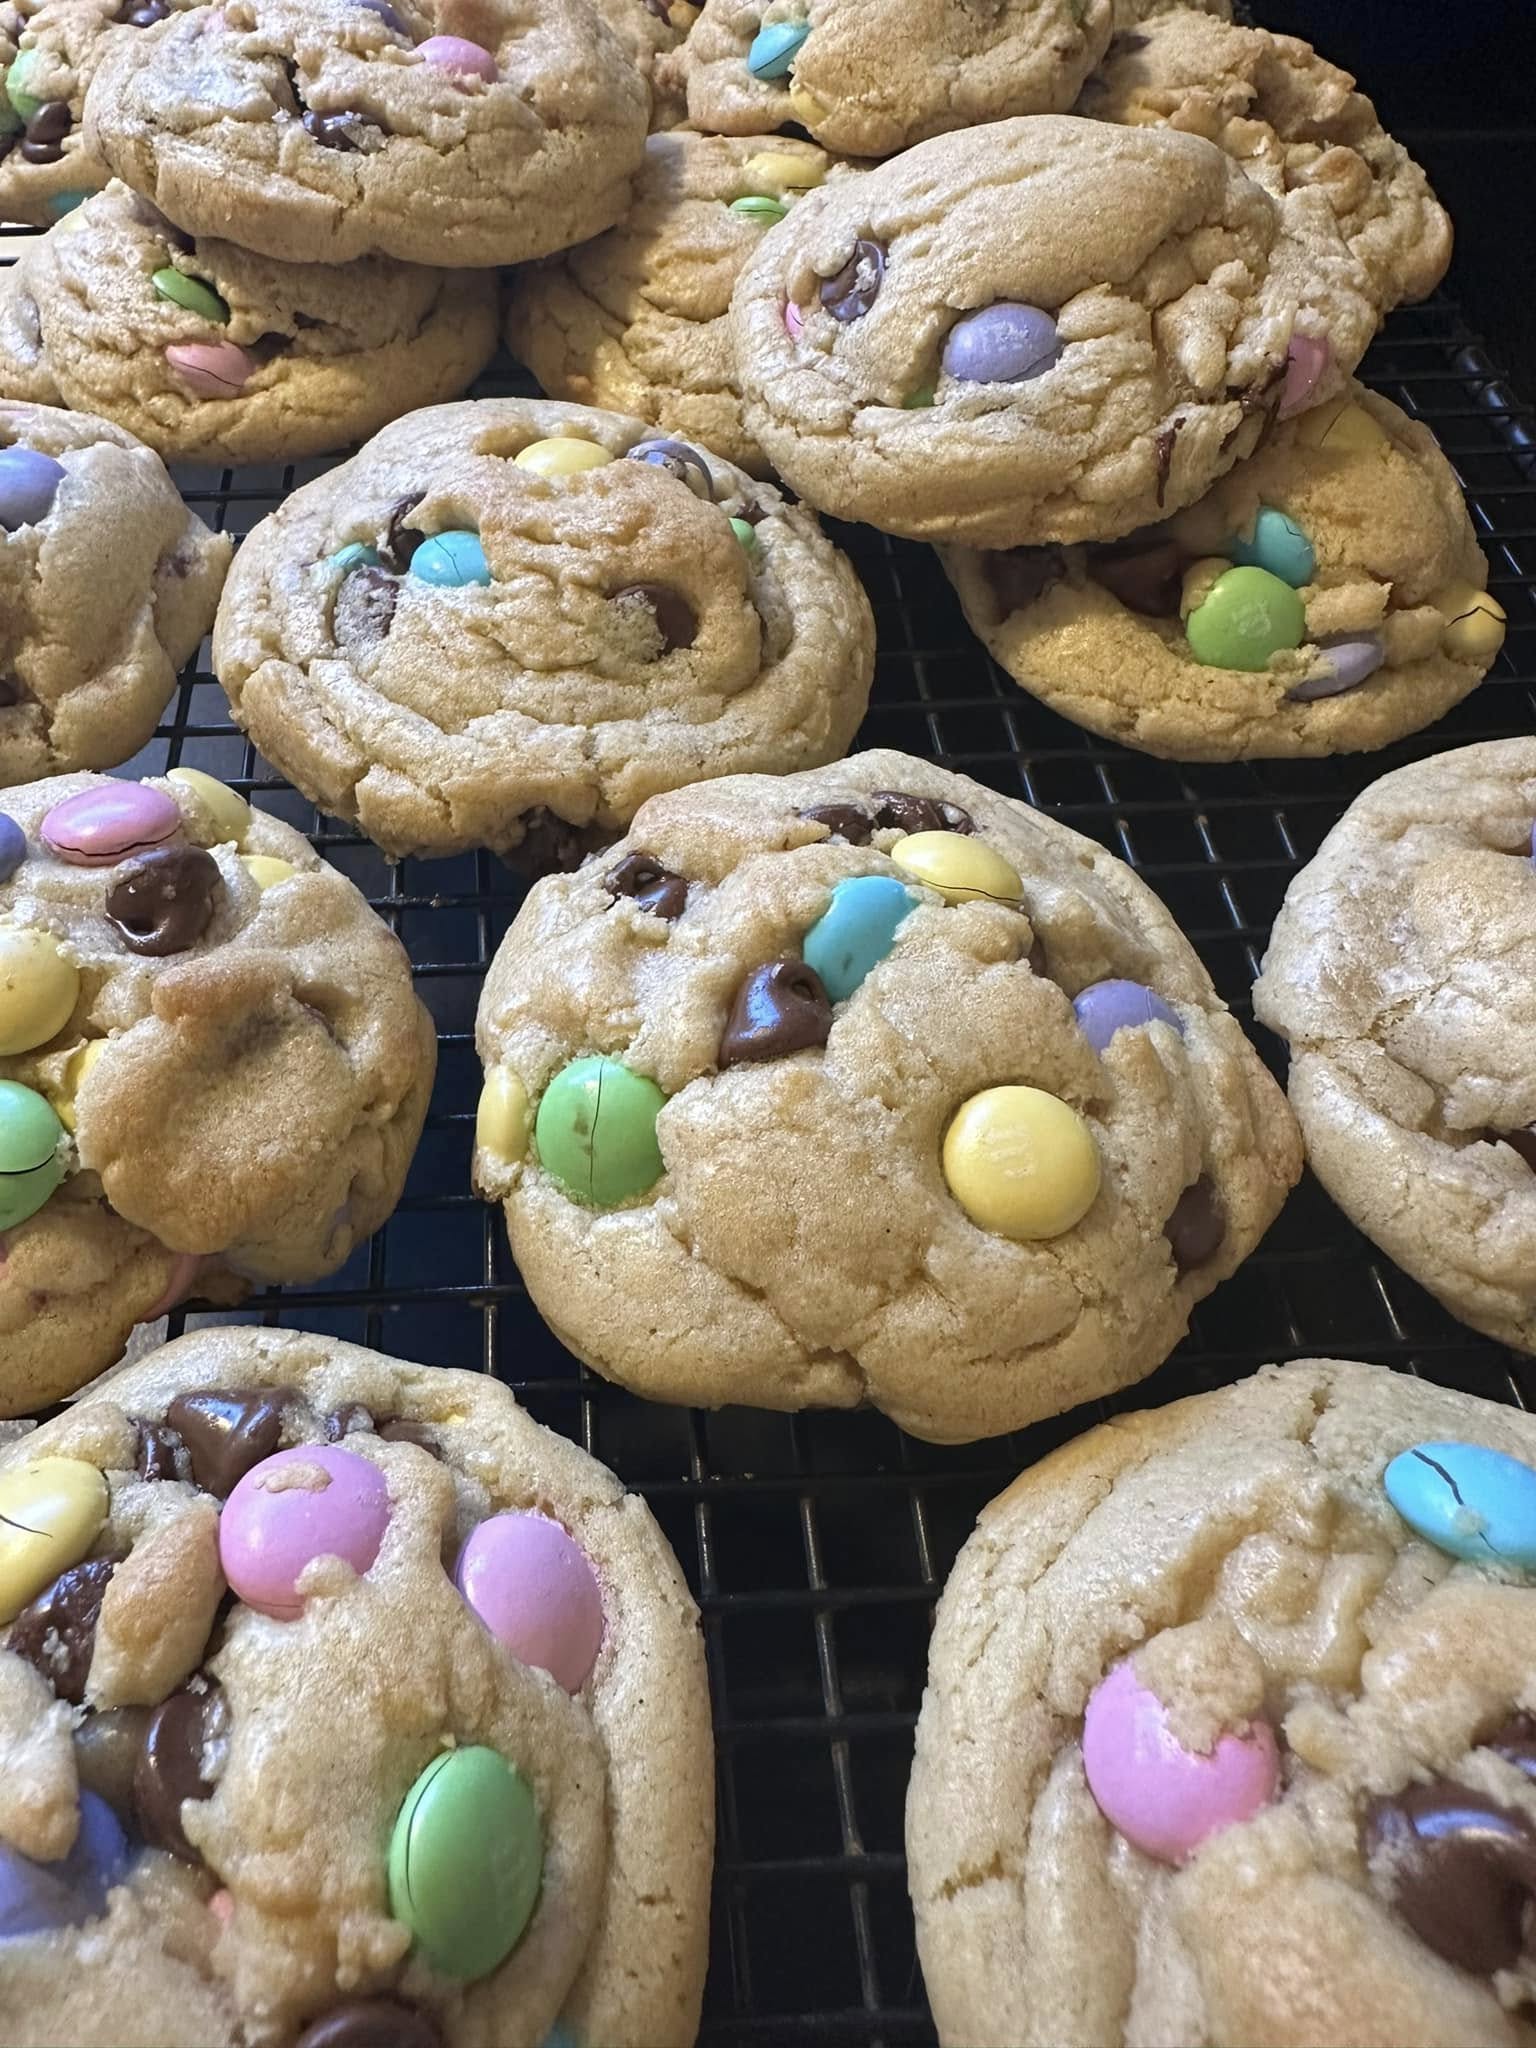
(962, 869)
(805, 106)
(1021, 1162)
(503, 1120)
(50, 1512)
(561, 455)
(226, 810)
(1475, 623)
(266, 871)
(76, 1067)
(39, 988)
(1343, 428)
(781, 170)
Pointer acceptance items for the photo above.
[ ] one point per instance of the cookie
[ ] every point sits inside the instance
(1047, 329)
(1313, 602)
(871, 77)
(1130, 13)
(651, 29)
(1402, 957)
(343, 1704)
(868, 1085)
(1248, 1682)
(638, 319)
(107, 584)
(439, 131)
(209, 353)
(209, 1052)
(1296, 125)
(508, 623)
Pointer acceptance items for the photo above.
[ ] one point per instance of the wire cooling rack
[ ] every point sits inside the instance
(816, 1544)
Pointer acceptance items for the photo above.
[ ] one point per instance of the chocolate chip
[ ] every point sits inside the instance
(51, 123)
(674, 616)
(364, 609)
(553, 845)
(160, 1453)
(227, 1433)
(56, 1632)
(850, 294)
(12, 691)
(1145, 574)
(400, 1429)
(345, 130)
(400, 541)
(658, 8)
(41, 152)
(350, 1419)
(142, 13)
(371, 2023)
(1163, 445)
(781, 1008)
(1459, 1868)
(1019, 576)
(897, 810)
(162, 902)
(107, 1747)
(843, 821)
(1516, 1743)
(172, 1763)
(752, 513)
(1197, 1226)
(1522, 1140)
(646, 882)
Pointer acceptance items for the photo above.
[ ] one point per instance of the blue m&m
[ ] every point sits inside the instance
(1277, 544)
(1468, 1501)
(451, 560)
(856, 931)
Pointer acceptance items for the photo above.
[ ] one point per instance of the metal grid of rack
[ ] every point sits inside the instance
(816, 1544)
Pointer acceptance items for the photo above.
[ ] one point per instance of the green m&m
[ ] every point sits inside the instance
(1246, 616)
(596, 1131)
(758, 207)
(17, 82)
(30, 1163)
(466, 1861)
(191, 294)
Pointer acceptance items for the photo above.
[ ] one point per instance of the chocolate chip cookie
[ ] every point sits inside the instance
(344, 1705)
(107, 584)
(209, 353)
(1397, 970)
(436, 131)
(638, 320)
(868, 1085)
(1326, 596)
(871, 77)
(1046, 329)
(209, 1052)
(650, 29)
(1248, 1682)
(1296, 125)
(508, 623)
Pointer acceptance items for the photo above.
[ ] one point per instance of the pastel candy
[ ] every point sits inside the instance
(457, 54)
(466, 1861)
(1021, 1163)
(1345, 661)
(856, 931)
(532, 1586)
(1277, 544)
(1247, 615)
(29, 482)
(596, 1131)
(211, 369)
(102, 825)
(1475, 623)
(774, 48)
(761, 210)
(267, 871)
(191, 294)
(502, 1121)
(39, 988)
(76, 1068)
(962, 868)
(1002, 344)
(1468, 1501)
(18, 80)
(57, 204)
(50, 1514)
(1342, 428)
(786, 170)
(1165, 1799)
(746, 533)
(450, 560)
(355, 555)
(1105, 1007)
(226, 810)
(13, 846)
(30, 1163)
(561, 455)
(794, 320)
(39, 1898)
(1306, 361)
(312, 1501)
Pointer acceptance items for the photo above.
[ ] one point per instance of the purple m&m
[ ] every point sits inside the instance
(455, 53)
(1305, 362)
(312, 1501)
(1110, 1006)
(105, 823)
(28, 484)
(531, 1584)
(37, 1898)
(1002, 344)
(1347, 660)
(13, 846)
(386, 14)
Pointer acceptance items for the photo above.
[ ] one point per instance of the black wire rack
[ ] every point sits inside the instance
(816, 1544)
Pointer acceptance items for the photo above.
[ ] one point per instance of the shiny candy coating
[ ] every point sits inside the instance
(227, 811)
(533, 1587)
(1247, 616)
(466, 1861)
(1277, 544)
(267, 871)
(596, 1131)
(1165, 1799)
(1021, 1163)
(57, 204)
(1001, 344)
(38, 1898)
(13, 846)
(746, 533)
(211, 369)
(22, 67)
(1341, 428)
(104, 824)
(372, 2023)
(38, 988)
(1197, 1225)
(30, 1164)
(1306, 362)
(355, 555)
(782, 168)
(775, 47)
(308, 1502)
(1468, 1501)
(503, 1119)
(856, 931)
(1458, 1867)
(960, 867)
(1105, 1007)
(456, 54)
(756, 207)
(678, 460)
(794, 320)
(805, 107)
(779, 1009)
(76, 1068)
(450, 560)
(561, 455)
(191, 294)
(1475, 623)
(29, 482)
(1345, 661)
(162, 902)
(51, 1512)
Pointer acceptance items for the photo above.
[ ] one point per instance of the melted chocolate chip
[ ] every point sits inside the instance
(650, 885)
(843, 821)
(56, 1632)
(779, 1009)
(43, 140)
(1019, 576)
(1521, 1140)
(1516, 1743)
(172, 1763)
(344, 130)
(371, 2023)
(160, 1453)
(850, 294)
(1459, 1868)
(1197, 1226)
(897, 810)
(552, 845)
(674, 615)
(107, 1747)
(400, 1429)
(227, 1433)
(1146, 575)
(350, 1419)
(752, 513)
(1163, 445)
(162, 902)
(365, 608)
(400, 542)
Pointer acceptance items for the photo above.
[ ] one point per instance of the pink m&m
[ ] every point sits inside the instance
(102, 825)
(313, 1501)
(531, 1584)
(456, 53)
(1163, 1797)
(211, 369)
(794, 320)
(1305, 361)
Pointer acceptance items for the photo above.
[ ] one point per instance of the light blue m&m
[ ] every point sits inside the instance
(451, 559)
(1278, 545)
(773, 48)
(856, 931)
(1468, 1501)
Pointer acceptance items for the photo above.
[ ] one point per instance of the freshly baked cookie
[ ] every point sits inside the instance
(638, 320)
(868, 1085)
(107, 584)
(508, 623)
(435, 131)
(1401, 961)
(871, 77)
(209, 353)
(209, 1052)
(1045, 329)
(1325, 596)
(1248, 1682)
(1296, 125)
(1128, 13)
(649, 29)
(343, 1705)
